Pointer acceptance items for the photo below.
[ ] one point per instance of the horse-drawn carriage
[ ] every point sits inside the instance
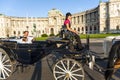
(13, 53)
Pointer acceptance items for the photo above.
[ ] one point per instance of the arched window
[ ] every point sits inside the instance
(78, 29)
(52, 31)
(90, 28)
(95, 28)
(74, 28)
(43, 31)
(117, 27)
(86, 28)
(82, 28)
(14, 32)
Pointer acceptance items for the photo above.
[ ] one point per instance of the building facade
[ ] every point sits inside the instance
(109, 16)
(15, 26)
(103, 18)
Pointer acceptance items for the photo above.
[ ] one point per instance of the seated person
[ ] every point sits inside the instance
(26, 38)
(67, 24)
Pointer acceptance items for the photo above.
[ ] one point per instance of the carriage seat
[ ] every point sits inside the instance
(20, 40)
(57, 40)
(65, 34)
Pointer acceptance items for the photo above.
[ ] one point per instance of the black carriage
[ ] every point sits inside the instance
(12, 52)
(66, 68)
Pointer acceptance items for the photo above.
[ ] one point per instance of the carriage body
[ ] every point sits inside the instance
(11, 51)
(24, 53)
(29, 53)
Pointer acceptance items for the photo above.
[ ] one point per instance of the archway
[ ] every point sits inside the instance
(117, 27)
(78, 29)
(14, 32)
(51, 31)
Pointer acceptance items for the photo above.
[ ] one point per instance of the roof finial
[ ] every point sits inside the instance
(54, 9)
(100, 1)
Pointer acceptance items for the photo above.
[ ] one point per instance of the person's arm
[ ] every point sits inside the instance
(68, 28)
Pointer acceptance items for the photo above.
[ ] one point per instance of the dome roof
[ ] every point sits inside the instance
(55, 11)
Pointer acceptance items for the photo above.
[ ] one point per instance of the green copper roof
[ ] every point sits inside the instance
(1, 14)
(100, 1)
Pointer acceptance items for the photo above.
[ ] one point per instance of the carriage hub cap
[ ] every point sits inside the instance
(68, 74)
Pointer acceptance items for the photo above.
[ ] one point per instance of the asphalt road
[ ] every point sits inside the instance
(42, 70)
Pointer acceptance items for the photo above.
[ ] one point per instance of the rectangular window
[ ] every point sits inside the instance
(82, 18)
(117, 5)
(74, 20)
(78, 19)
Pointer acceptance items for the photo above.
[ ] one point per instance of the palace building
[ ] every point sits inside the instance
(104, 18)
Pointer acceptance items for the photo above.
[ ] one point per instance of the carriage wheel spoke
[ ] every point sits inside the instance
(5, 72)
(60, 68)
(70, 78)
(60, 76)
(63, 65)
(73, 66)
(65, 78)
(59, 72)
(68, 64)
(3, 58)
(0, 56)
(74, 78)
(7, 69)
(78, 75)
(7, 65)
(76, 70)
(3, 75)
(6, 61)
(0, 73)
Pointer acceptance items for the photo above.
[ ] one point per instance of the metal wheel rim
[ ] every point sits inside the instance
(68, 69)
(5, 66)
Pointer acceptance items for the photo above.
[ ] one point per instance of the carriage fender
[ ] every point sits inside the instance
(8, 51)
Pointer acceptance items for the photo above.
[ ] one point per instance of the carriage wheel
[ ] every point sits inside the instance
(113, 61)
(6, 66)
(68, 69)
